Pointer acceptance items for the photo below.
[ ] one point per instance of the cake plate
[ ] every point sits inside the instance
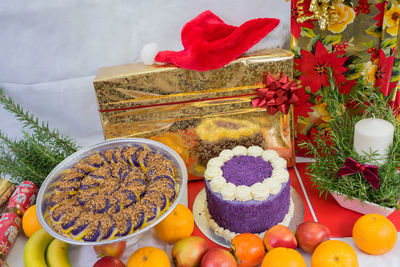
(200, 218)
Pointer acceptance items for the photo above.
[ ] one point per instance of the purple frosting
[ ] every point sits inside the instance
(250, 216)
(246, 170)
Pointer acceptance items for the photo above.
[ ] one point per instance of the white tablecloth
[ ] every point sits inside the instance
(84, 256)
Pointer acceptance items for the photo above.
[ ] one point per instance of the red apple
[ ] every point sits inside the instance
(188, 251)
(114, 250)
(311, 234)
(109, 261)
(279, 236)
(218, 257)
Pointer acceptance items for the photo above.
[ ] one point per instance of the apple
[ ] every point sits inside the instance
(310, 234)
(218, 257)
(114, 250)
(109, 261)
(279, 236)
(188, 251)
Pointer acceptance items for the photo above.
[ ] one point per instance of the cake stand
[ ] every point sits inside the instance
(200, 218)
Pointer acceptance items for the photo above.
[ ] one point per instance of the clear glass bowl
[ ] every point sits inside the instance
(51, 180)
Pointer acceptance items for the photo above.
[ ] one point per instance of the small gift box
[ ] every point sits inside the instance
(199, 114)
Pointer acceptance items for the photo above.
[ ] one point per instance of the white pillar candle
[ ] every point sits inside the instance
(373, 135)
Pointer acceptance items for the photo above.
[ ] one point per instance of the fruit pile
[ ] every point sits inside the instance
(372, 233)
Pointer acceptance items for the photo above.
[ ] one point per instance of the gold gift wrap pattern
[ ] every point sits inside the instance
(198, 114)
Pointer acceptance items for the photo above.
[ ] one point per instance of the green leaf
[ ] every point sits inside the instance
(374, 31)
(389, 42)
(306, 32)
(395, 76)
(296, 51)
(353, 59)
(348, 2)
(365, 44)
(371, 43)
(331, 39)
(313, 41)
(353, 71)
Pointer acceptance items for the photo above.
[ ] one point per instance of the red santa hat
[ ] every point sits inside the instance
(210, 43)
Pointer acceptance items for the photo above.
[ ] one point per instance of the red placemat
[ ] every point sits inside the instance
(338, 219)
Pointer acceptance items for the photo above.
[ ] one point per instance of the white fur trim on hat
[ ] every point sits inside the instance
(148, 53)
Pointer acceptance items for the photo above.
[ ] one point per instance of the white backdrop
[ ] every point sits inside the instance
(50, 51)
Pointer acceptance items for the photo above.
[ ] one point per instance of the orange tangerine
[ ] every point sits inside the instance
(374, 234)
(30, 222)
(177, 225)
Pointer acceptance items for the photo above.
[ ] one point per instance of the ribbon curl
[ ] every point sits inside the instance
(322, 10)
(368, 172)
(277, 95)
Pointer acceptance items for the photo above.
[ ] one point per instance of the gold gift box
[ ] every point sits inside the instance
(198, 114)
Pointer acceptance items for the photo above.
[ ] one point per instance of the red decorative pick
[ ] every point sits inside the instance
(277, 94)
(368, 172)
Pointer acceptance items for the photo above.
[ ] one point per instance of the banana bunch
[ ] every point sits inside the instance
(43, 250)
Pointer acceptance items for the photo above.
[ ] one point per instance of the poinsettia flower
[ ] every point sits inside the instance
(314, 67)
(310, 137)
(302, 107)
(295, 27)
(391, 20)
(384, 73)
(379, 16)
(345, 87)
(345, 15)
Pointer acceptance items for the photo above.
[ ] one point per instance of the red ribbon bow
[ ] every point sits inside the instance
(368, 172)
(277, 95)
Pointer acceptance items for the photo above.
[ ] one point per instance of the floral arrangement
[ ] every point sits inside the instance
(333, 148)
(360, 40)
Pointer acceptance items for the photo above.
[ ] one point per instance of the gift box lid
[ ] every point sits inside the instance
(118, 86)
(126, 70)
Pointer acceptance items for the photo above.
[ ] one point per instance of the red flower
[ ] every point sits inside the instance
(314, 67)
(295, 26)
(345, 87)
(379, 16)
(384, 74)
(311, 138)
(302, 107)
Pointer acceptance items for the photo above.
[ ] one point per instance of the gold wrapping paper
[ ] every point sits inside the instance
(198, 114)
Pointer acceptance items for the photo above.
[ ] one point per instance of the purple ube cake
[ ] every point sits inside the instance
(247, 190)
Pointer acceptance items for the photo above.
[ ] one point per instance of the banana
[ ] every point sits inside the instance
(35, 249)
(57, 254)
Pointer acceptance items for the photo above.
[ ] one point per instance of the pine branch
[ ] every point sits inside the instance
(31, 122)
(37, 153)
